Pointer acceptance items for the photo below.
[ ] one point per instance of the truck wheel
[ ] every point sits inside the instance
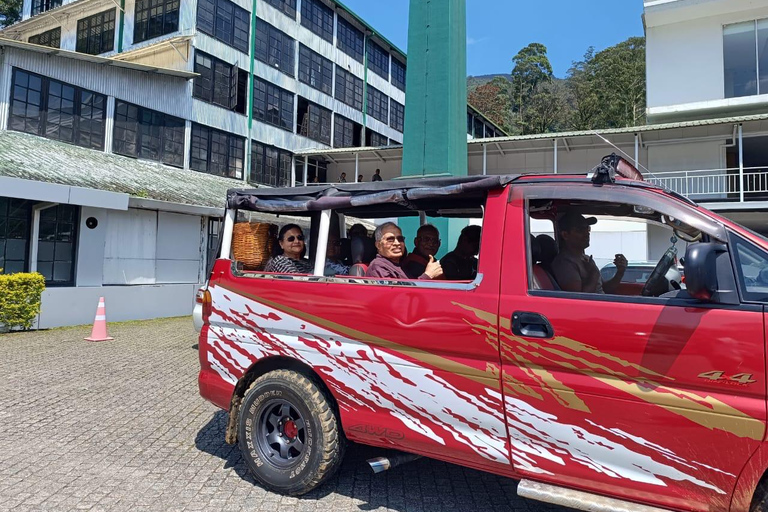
(760, 498)
(288, 433)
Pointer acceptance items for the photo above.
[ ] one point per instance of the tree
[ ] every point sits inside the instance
(583, 97)
(10, 12)
(531, 67)
(619, 82)
(547, 109)
(492, 100)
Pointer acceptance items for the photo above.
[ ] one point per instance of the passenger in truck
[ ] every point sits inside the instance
(334, 266)
(289, 253)
(426, 244)
(573, 269)
(461, 263)
(390, 245)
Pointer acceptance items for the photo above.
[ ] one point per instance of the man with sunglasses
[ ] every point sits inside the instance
(390, 244)
(426, 244)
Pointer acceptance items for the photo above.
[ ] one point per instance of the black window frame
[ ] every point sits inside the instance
(346, 132)
(398, 74)
(349, 88)
(267, 95)
(155, 18)
(81, 114)
(275, 48)
(15, 222)
(136, 128)
(270, 165)
(221, 145)
(376, 104)
(219, 83)
(396, 115)
(59, 226)
(96, 44)
(225, 21)
(41, 6)
(315, 16)
(287, 7)
(374, 139)
(314, 125)
(50, 38)
(350, 39)
(376, 57)
(315, 70)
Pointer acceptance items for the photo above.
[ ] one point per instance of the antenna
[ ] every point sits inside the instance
(630, 158)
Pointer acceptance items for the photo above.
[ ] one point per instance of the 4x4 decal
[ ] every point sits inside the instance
(740, 379)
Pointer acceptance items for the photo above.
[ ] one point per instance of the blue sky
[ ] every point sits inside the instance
(498, 29)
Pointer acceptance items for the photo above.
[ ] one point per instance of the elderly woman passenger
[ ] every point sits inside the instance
(390, 245)
(289, 257)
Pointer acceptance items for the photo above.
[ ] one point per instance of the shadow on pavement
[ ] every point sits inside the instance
(423, 485)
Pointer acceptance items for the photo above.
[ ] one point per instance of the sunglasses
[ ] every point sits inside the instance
(391, 239)
(292, 238)
(336, 243)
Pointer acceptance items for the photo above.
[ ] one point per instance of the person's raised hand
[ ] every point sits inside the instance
(434, 269)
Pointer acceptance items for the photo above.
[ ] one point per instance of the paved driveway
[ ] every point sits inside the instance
(119, 425)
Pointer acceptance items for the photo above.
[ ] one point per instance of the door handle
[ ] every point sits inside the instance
(531, 325)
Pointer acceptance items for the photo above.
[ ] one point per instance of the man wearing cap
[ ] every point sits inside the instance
(573, 269)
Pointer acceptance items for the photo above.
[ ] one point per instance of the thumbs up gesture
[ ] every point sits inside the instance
(434, 269)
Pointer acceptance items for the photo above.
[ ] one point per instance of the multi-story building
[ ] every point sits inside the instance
(123, 122)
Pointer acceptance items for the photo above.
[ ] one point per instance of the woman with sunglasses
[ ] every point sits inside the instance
(290, 253)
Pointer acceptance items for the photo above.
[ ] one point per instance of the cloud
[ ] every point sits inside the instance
(472, 40)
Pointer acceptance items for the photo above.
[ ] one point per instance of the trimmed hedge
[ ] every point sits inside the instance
(20, 296)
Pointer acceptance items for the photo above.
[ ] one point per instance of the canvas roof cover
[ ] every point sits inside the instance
(400, 197)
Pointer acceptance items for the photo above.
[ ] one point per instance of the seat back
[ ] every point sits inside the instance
(543, 251)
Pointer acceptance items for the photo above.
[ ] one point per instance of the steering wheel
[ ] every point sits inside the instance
(657, 282)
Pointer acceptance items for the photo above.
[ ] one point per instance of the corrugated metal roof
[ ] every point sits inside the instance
(35, 158)
(104, 61)
(630, 129)
(556, 135)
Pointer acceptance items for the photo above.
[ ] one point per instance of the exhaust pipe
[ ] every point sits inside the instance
(381, 464)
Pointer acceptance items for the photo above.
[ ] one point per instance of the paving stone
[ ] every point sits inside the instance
(120, 426)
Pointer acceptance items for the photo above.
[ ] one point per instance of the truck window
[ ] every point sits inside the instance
(602, 248)
(752, 264)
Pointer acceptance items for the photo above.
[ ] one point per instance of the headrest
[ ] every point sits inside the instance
(535, 250)
(547, 248)
(363, 249)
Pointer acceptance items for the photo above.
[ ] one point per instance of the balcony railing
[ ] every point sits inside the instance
(716, 184)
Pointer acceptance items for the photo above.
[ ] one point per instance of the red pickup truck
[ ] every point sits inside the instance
(656, 398)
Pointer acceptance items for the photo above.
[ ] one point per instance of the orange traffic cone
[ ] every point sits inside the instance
(99, 332)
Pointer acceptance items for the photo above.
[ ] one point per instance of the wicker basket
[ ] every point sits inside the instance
(252, 243)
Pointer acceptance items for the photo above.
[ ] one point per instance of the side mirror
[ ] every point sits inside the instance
(701, 269)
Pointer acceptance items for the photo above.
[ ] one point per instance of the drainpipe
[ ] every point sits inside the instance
(34, 237)
(485, 159)
(248, 141)
(365, 88)
(120, 27)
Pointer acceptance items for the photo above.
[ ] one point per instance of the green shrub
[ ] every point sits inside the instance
(20, 296)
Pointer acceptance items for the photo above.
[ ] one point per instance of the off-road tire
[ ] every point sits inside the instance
(760, 498)
(324, 443)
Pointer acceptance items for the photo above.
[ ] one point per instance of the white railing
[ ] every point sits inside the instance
(714, 184)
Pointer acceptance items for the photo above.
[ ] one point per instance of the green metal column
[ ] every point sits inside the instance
(121, 24)
(435, 138)
(251, 74)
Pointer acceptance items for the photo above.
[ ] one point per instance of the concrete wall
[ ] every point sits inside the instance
(684, 60)
(76, 306)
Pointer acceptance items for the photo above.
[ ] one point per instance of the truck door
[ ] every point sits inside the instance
(648, 399)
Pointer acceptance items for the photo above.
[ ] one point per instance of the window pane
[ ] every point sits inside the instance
(739, 55)
(762, 46)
